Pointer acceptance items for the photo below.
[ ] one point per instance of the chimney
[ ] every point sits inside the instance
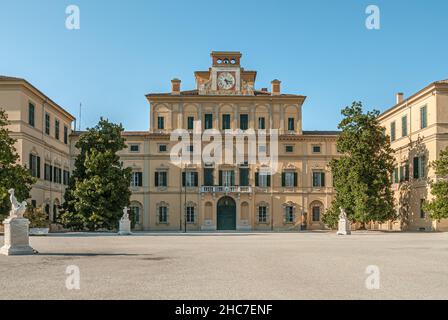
(275, 87)
(175, 86)
(399, 97)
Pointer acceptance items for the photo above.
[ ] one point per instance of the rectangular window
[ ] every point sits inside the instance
(190, 123)
(404, 173)
(65, 135)
(261, 123)
(289, 149)
(47, 124)
(316, 149)
(423, 117)
(244, 177)
(227, 178)
(34, 163)
(208, 121)
(66, 177)
(262, 214)
(244, 121)
(422, 212)
(419, 167)
(289, 214)
(190, 214)
(57, 175)
(136, 179)
(225, 121)
(161, 179)
(316, 214)
(31, 116)
(160, 123)
(134, 148)
(404, 126)
(291, 124)
(318, 179)
(392, 131)
(56, 129)
(262, 179)
(289, 179)
(47, 172)
(162, 147)
(208, 177)
(163, 214)
(190, 179)
(395, 176)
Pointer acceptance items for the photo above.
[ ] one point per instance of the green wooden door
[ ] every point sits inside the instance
(226, 214)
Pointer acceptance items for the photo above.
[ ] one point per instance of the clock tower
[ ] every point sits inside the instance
(225, 77)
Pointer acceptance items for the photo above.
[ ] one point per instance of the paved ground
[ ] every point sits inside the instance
(231, 266)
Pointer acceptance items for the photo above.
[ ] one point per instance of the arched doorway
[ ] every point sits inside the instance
(226, 214)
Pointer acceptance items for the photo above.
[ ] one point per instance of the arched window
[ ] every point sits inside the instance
(135, 209)
(316, 209)
(190, 212)
(262, 212)
(162, 213)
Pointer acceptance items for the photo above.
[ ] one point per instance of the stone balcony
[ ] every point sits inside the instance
(226, 189)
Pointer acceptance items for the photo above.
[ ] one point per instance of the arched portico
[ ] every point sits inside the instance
(226, 214)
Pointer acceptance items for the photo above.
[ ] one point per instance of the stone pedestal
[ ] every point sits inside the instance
(16, 237)
(125, 227)
(344, 227)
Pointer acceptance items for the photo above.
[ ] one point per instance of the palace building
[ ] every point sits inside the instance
(240, 194)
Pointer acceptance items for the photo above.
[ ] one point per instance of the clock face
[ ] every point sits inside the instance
(226, 81)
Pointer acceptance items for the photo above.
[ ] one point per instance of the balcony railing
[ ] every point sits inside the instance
(226, 189)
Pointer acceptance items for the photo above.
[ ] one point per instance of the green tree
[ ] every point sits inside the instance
(12, 174)
(362, 175)
(99, 186)
(438, 207)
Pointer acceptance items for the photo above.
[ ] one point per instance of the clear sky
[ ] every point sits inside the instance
(321, 49)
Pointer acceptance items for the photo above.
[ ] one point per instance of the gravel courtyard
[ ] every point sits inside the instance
(231, 266)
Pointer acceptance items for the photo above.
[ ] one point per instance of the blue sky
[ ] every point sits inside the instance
(126, 49)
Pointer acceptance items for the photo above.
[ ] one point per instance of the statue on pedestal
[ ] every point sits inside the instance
(344, 226)
(125, 223)
(17, 209)
(16, 229)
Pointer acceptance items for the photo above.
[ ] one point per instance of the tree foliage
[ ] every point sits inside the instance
(12, 174)
(438, 207)
(362, 175)
(99, 186)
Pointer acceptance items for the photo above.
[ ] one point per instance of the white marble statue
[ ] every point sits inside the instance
(125, 223)
(125, 214)
(16, 238)
(17, 209)
(344, 225)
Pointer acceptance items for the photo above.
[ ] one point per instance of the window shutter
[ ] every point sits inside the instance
(422, 167)
(322, 179)
(268, 180)
(220, 177)
(51, 173)
(196, 182)
(156, 179)
(30, 163)
(283, 179)
(38, 167)
(295, 179)
(416, 173)
(256, 179)
(140, 179)
(183, 179)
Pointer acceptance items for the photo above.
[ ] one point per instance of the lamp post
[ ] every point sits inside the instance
(185, 199)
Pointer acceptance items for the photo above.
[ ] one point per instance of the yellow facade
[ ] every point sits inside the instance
(232, 196)
(421, 127)
(34, 119)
